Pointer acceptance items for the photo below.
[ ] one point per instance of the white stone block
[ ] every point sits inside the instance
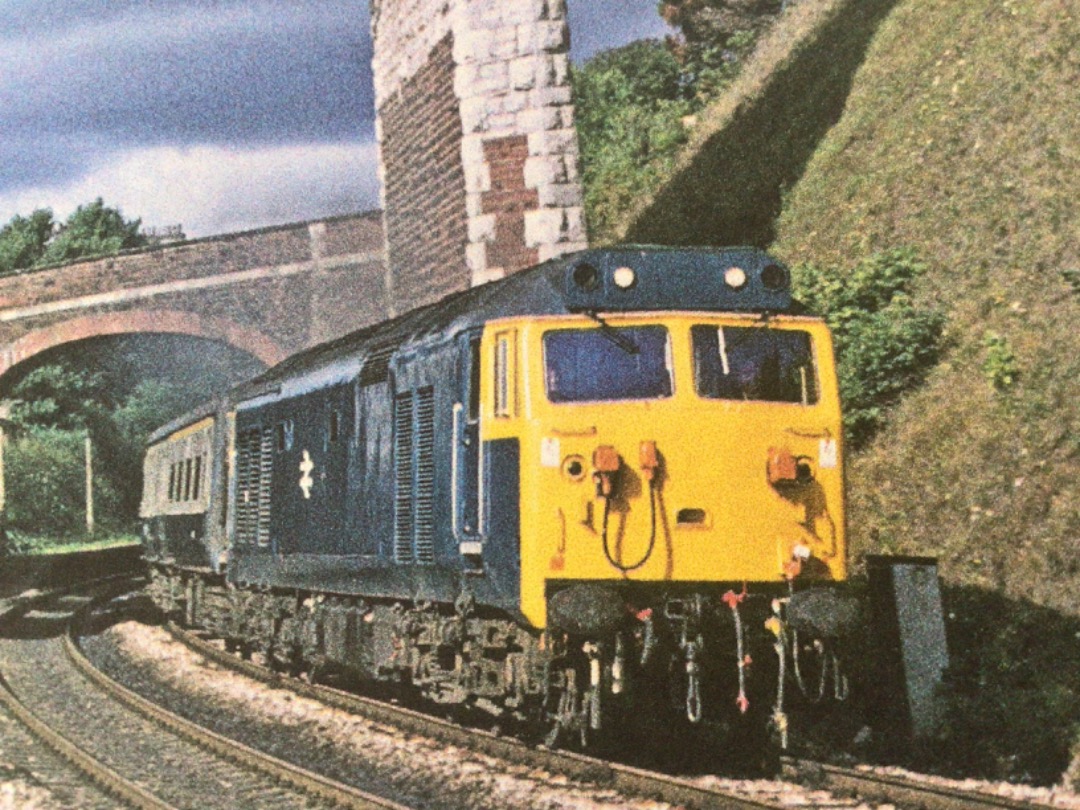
(471, 46)
(493, 72)
(477, 177)
(544, 72)
(560, 195)
(474, 204)
(472, 150)
(513, 102)
(484, 276)
(543, 171)
(560, 67)
(558, 249)
(543, 226)
(499, 124)
(544, 36)
(537, 120)
(505, 48)
(572, 167)
(556, 9)
(524, 71)
(575, 232)
(473, 114)
(482, 228)
(552, 142)
(465, 76)
(476, 257)
(550, 96)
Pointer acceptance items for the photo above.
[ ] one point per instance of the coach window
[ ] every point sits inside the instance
(333, 427)
(172, 482)
(188, 469)
(196, 483)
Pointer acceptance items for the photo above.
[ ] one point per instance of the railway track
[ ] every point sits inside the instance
(138, 753)
(153, 758)
(807, 784)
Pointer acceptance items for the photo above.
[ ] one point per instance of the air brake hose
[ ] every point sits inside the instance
(652, 532)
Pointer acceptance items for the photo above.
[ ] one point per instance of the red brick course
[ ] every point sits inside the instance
(424, 191)
(508, 199)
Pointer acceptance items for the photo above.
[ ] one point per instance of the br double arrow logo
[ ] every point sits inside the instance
(306, 481)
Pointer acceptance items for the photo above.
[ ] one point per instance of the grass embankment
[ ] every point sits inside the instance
(18, 543)
(950, 129)
(959, 138)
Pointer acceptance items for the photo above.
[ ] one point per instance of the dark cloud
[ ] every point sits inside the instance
(186, 75)
(144, 74)
(127, 98)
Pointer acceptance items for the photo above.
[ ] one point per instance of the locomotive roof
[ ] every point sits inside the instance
(740, 279)
(201, 411)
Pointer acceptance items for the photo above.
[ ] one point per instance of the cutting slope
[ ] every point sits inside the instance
(961, 138)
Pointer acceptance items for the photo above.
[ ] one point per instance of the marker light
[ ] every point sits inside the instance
(774, 277)
(586, 277)
(624, 277)
(735, 277)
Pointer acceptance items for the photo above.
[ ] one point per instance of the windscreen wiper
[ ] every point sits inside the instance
(612, 334)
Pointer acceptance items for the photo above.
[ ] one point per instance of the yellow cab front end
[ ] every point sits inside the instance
(669, 449)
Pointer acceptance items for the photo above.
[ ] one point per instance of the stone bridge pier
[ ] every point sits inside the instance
(478, 152)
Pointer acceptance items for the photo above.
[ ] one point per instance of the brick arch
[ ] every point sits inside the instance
(175, 322)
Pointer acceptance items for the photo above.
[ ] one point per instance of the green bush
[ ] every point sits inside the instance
(634, 106)
(999, 367)
(885, 343)
(45, 476)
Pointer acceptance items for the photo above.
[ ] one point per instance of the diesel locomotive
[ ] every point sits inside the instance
(605, 489)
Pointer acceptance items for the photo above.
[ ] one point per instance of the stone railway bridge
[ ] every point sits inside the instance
(479, 168)
(268, 293)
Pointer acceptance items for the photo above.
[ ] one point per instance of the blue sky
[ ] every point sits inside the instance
(218, 115)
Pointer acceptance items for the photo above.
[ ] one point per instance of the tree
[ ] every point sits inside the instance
(93, 230)
(23, 240)
(46, 484)
(54, 396)
(713, 22)
(59, 406)
(629, 119)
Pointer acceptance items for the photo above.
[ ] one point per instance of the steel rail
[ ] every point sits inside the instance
(293, 775)
(617, 776)
(623, 778)
(899, 790)
(124, 789)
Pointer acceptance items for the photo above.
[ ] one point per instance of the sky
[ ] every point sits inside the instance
(216, 115)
